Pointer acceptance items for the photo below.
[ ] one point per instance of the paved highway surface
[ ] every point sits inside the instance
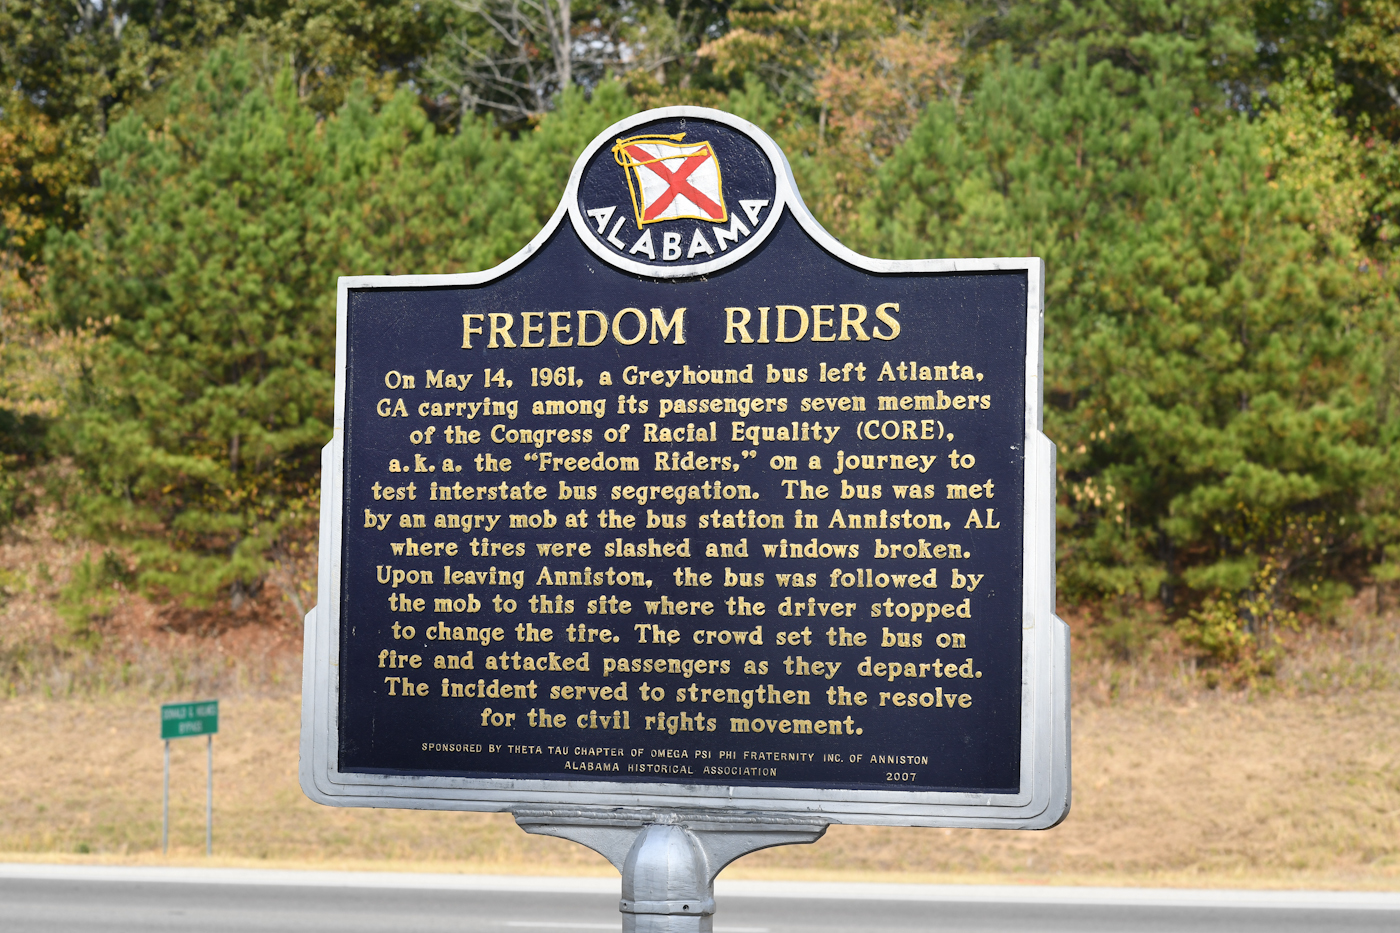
(87, 899)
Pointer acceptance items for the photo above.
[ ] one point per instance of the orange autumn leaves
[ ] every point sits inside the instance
(851, 77)
(868, 68)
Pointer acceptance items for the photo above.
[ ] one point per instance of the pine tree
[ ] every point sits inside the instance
(1213, 368)
(214, 390)
(218, 231)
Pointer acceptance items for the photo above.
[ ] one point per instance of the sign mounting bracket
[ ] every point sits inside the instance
(669, 859)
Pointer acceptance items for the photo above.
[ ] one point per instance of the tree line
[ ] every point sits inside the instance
(1213, 186)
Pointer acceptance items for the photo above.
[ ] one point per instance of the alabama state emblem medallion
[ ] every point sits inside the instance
(676, 193)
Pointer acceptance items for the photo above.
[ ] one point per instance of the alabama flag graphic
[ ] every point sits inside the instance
(671, 179)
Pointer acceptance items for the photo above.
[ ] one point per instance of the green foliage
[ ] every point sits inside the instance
(69, 69)
(1212, 185)
(88, 598)
(1239, 635)
(65, 68)
(213, 388)
(215, 240)
(406, 199)
(332, 45)
(1217, 630)
(35, 362)
(1212, 369)
(839, 85)
(1357, 42)
(1127, 627)
(1203, 47)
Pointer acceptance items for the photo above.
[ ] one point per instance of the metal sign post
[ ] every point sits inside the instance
(688, 531)
(180, 721)
(165, 806)
(209, 801)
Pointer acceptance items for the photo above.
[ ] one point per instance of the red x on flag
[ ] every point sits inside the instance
(670, 180)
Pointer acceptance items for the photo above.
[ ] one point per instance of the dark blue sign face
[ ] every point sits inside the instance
(761, 527)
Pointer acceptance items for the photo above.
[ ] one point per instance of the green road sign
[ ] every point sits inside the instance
(183, 720)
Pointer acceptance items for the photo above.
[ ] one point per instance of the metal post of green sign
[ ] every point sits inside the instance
(165, 806)
(182, 721)
(209, 804)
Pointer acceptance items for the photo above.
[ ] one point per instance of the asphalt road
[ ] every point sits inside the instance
(84, 899)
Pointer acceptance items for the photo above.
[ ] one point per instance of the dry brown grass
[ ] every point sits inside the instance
(82, 775)
(1224, 790)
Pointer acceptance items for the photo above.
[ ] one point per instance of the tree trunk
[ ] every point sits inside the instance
(564, 54)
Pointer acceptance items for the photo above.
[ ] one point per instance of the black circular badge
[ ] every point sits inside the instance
(682, 194)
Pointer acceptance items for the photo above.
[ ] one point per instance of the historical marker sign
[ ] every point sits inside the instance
(689, 505)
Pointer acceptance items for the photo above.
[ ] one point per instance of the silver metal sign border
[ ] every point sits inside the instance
(1044, 799)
